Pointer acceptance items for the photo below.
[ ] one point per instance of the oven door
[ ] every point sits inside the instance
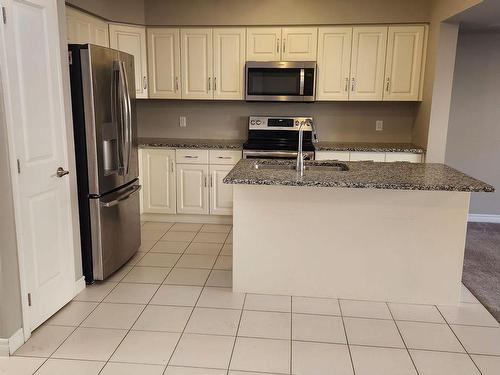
(266, 154)
(280, 81)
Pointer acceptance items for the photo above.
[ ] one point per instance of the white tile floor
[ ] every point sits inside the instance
(171, 311)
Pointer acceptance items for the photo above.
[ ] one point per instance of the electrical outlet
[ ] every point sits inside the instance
(182, 121)
(379, 125)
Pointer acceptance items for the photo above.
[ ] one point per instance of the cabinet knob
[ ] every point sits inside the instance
(388, 84)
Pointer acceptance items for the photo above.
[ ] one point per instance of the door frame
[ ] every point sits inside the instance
(12, 153)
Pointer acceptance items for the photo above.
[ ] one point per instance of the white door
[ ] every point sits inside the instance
(264, 44)
(132, 40)
(299, 43)
(192, 189)
(368, 62)
(196, 63)
(229, 63)
(158, 181)
(334, 63)
(403, 66)
(221, 194)
(36, 124)
(164, 62)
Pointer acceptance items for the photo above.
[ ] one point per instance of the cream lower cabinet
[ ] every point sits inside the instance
(157, 175)
(369, 156)
(132, 40)
(84, 28)
(221, 194)
(192, 189)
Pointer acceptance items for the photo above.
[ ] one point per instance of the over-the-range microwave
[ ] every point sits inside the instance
(281, 81)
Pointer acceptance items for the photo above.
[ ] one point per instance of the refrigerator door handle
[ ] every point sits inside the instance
(122, 197)
(116, 112)
(126, 123)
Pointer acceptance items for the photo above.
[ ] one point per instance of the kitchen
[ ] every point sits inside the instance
(264, 197)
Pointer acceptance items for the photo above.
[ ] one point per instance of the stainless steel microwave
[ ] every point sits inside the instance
(280, 81)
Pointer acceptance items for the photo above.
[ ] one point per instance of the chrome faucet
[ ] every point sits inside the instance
(300, 154)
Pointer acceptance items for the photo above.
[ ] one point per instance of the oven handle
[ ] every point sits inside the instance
(302, 78)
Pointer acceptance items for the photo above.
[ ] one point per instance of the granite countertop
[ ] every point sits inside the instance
(191, 143)
(369, 147)
(397, 175)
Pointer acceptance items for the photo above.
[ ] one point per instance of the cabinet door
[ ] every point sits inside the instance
(334, 63)
(192, 189)
(221, 194)
(299, 43)
(196, 63)
(158, 181)
(264, 44)
(84, 28)
(164, 61)
(132, 40)
(404, 62)
(367, 156)
(229, 63)
(368, 62)
(100, 32)
(403, 156)
(332, 155)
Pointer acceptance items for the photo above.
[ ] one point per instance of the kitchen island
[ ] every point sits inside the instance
(376, 231)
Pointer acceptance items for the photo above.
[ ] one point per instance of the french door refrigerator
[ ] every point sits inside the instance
(105, 133)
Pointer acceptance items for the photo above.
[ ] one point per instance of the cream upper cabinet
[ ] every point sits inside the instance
(158, 181)
(368, 62)
(263, 44)
(299, 43)
(403, 65)
(164, 62)
(196, 63)
(229, 63)
(84, 28)
(192, 189)
(334, 63)
(132, 40)
(221, 194)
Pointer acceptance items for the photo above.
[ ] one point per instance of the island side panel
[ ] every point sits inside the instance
(382, 245)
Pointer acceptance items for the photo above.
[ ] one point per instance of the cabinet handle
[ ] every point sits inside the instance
(215, 83)
(191, 157)
(176, 84)
(224, 157)
(172, 166)
(352, 84)
(205, 178)
(284, 45)
(145, 82)
(212, 181)
(388, 84)
(346, 88)
(278, 45)
(209, 78)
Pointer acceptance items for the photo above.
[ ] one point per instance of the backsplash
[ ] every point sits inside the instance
(337, 121)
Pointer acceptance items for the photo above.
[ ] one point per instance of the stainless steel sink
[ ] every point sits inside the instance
(309, 166)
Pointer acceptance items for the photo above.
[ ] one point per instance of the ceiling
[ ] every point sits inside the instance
(482, 17)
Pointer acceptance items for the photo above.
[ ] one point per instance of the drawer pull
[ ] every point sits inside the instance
(224, 157)
(191, 157)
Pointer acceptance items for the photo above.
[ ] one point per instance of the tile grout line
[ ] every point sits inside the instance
(291, 335)
(402, 338)
(346, 337)
(236, 335)
(463, 346)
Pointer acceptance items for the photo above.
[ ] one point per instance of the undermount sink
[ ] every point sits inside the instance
(309, 166)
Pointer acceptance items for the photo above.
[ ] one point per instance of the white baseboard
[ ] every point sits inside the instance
(79, 285)
(206, 219)
(10, 345)
(479, 218)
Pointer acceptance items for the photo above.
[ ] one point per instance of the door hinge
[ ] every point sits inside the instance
(4, 15)
(29, 299)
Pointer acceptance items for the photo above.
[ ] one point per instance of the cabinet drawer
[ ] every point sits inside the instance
(403, 156)
(187, 156)
(332, 155)
(367, 156)
(224, 156)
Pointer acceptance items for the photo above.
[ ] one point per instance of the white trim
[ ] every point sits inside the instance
(10, 345)
(80, 285)
(483, 218)
(206, 219)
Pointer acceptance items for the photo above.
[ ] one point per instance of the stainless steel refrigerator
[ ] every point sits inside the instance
(105, 133)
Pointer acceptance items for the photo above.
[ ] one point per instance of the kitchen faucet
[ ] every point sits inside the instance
(300, 154)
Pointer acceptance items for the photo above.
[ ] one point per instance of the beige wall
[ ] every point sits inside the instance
(474, 132)
(130, 11)
(287, 12)
(229, 120)
(10, 290)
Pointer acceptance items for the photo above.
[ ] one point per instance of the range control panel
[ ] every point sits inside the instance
(279, 123)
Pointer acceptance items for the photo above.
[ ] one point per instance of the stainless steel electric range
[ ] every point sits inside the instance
(278, 137)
